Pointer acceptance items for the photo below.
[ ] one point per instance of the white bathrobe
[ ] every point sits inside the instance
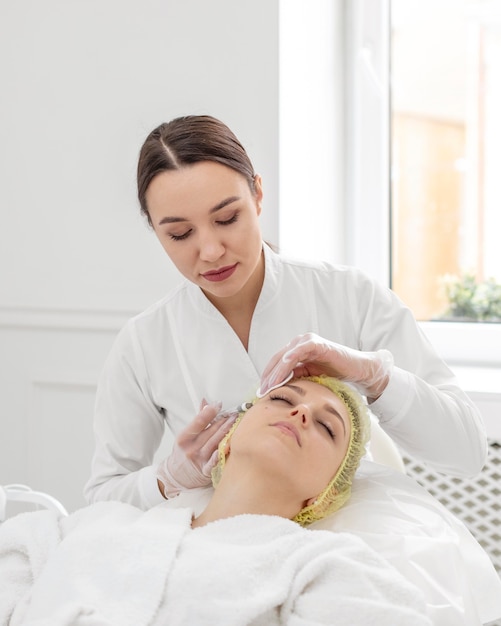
(112, 564)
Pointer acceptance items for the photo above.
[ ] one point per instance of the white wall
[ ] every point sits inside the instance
(82, 85)
(312, 153)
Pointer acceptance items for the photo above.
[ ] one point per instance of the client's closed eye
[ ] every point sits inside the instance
(281, 397)
(328, 429)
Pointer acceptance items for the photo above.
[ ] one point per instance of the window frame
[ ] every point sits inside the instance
(368, 183)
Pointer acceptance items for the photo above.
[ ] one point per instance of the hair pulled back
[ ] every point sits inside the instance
(187, 140)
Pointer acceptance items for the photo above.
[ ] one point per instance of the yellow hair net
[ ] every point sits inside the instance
(338, 491)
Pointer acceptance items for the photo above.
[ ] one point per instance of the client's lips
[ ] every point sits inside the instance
(222, 273)
(289, 429)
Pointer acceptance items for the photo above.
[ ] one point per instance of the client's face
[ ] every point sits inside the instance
(300, 431)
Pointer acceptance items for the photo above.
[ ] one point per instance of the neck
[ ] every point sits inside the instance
(247, 493)
(239, 309)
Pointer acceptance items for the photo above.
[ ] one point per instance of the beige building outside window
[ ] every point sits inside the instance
(446, 158)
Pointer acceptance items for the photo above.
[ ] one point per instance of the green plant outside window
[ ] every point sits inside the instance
(472, 301)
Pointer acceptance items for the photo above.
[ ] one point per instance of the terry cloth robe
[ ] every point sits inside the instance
(112, 564)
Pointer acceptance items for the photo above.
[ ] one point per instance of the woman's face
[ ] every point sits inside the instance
(206, 218)
(302, 429)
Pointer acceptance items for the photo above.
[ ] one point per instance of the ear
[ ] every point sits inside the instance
(258, 192)
(313, 500)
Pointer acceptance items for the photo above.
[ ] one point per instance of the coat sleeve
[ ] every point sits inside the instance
(423, 408)
(128, 429)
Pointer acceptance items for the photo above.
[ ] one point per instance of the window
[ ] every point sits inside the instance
(445, 100)
(335, 132)
(373, 150)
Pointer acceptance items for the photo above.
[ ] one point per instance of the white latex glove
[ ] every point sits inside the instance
(311, 355)
(194, 454)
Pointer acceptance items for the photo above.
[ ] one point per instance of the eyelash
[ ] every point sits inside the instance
(180, 237)
(329, 430)
(185, 235)
(232, 220)
(279, 397)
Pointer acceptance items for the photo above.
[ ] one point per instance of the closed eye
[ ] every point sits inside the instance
(185, 235)
(328, 428)
(229, 221)
(278, 396)
(180, 237)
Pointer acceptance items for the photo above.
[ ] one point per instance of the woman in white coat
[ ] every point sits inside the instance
(246, 315)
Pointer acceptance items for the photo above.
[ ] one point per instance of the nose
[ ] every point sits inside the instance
(301, 413)
(211, 247)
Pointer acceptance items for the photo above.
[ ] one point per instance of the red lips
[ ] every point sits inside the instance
(220, 274)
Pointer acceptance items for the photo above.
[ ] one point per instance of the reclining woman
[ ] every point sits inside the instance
(291, 456)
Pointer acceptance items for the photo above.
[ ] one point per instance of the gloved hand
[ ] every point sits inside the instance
(311, 355)
(195, 451)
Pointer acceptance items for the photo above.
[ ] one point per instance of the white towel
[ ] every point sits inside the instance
(286, 575)
(70, 615)
(27, 542)
(113, 565)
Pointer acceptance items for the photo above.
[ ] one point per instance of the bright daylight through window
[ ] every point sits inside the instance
(446, 151)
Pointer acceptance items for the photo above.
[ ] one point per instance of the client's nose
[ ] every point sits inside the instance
(302, 413)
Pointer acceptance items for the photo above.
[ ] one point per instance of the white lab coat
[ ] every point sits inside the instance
(181, 350)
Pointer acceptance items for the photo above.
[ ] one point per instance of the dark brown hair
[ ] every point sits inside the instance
(187, 140)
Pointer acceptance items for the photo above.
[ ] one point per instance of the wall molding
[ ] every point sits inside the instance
(42, 319)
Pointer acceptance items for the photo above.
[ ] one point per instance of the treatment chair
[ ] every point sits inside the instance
(383, 449)
(23, 493)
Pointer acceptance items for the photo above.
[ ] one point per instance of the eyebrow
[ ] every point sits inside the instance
(214, 209)
(327, 407)
(332, 410)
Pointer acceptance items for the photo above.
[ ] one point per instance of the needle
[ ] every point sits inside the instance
(225, 413)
